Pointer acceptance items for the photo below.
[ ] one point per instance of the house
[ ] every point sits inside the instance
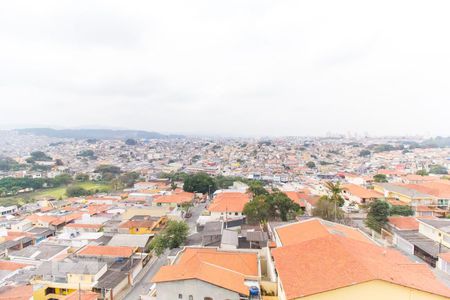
(79, 227)
(53, 280)
(207, 273)
(404, 194)
(310, 204)
(16, 292)
(139, 241)
(436, 229)
(424, 238)
(294, 233)
(8, 210)
(174, 200)
(228, 205)
(298, 197)
(358, 194)
(22, 225)
(443, 263)
(339, 267)
(106, 252)
(9, 269)
(439, 190)
(36, 254)
(144, 225)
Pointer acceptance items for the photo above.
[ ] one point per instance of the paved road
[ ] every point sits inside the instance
(144, 285)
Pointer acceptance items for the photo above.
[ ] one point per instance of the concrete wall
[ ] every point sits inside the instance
(198, 289)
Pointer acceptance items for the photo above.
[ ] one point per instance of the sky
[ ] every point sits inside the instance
(229, 68)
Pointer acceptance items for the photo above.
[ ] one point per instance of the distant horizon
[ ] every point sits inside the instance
(212, 135)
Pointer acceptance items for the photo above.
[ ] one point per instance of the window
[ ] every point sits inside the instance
(191, 297)
(207, 298)
(180, 296)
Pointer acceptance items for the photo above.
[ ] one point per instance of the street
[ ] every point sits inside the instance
(144, 285)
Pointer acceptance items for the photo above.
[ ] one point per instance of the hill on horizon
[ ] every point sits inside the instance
(100, 134)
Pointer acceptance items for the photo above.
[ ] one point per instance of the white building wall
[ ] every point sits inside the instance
(197, 288)
(443, 266)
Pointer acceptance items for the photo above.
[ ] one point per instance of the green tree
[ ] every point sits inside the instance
(173, 236)
(63, 179)
(403, 210)
(7, 164)
(131, 142)
(81, 177)
(281, 204)
(377, 215)
(38, 156)
(257, 188)
(108, 172)
(328, 210)
(438, 169)
(311, 165)
(335, 193)
(76, 191)
(422, 172)
(364, 153)
(199, 183)
(380, 178)
(258, 210)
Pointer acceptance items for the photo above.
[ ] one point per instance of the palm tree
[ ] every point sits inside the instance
(334, 192)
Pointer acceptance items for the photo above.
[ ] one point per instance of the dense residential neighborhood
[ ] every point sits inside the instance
(198, 218)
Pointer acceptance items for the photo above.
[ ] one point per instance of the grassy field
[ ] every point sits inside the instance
(57, 193)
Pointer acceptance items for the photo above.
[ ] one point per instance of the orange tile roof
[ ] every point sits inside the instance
(139, 224)
(112, 251)
(335, 262)
(361, 192)
(224, 269)
(177, 198)
(298, 197)
(433, 188)
(232, 202)
(404, 223)
(316, 228)
(11, 266)
(21, 292)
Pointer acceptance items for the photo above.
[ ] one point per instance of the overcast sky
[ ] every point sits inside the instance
(234, 67)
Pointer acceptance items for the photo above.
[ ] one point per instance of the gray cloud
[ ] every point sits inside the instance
(230, 68)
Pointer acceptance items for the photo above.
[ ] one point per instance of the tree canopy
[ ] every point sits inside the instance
(275, 206)
(403, 210)
(257, 188)
(328, 210)
(199, 183)
(377, 215)
(438, 169)
(173, 236)
(311, 164)
(380, 178)
(364, 153)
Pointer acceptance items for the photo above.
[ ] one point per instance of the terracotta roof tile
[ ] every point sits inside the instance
(334, 262)
(316, 228)
(404, 223)
(232, 202)
(225, 269)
